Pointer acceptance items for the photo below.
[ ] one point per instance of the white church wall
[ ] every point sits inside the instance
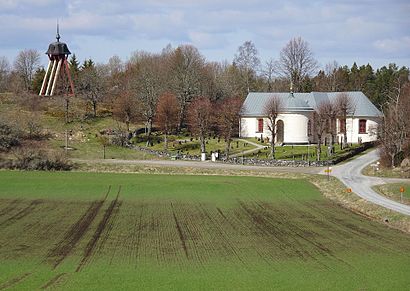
(295, 127)
(352, 130)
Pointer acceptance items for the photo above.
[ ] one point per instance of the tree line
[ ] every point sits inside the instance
(172, 85)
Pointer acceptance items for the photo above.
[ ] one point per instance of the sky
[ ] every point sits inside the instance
(375, 32)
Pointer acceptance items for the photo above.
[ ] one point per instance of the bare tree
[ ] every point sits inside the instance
(167, 115)
(26, 64)
(248, 61)
(345, 106)
(395, 129)
(268, 72)
(91, 86)
(271, 109)
(199, 119)
(330, 111)
(331, 76)
(320, 118)
(148, 84)
(4, 73)
(186, 64)
(296, 62)
(228, 119)
(126, 109)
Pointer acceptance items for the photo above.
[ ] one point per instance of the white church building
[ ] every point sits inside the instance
(295, 121)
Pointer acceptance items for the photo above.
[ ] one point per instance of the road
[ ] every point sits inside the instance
(351, 175)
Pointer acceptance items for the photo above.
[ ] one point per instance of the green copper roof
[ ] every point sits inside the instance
(299, 102)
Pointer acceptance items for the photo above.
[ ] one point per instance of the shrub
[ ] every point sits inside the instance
(35, 159)
(9, 137)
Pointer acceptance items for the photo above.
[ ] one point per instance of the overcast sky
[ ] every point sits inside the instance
(375, 32)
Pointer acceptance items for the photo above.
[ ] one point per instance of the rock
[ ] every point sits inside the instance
(405, 163)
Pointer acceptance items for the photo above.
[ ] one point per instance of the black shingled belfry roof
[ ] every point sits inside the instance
(58, 48)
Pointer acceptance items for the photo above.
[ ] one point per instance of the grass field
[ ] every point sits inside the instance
(134, 231)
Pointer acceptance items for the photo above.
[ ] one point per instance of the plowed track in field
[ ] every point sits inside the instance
(21, 213)
(136, 232)
(75, 233)
(98, 232)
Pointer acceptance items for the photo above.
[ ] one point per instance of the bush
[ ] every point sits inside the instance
(9, 137)
(33, 159)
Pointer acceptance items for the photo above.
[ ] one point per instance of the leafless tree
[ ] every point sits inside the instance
(167, 115)
(268, 72)
(148, 85)
(271, 109)
(26, 64)
(200, 118)
(126, 109)
(330, 111)
(4, 73)
(91, 86)
(115, 65)
(331, 76)
(229, 111)
(395, 129)
(320, 118)
(296, 62)
(345, 106)
(248, 61)
(186, 64)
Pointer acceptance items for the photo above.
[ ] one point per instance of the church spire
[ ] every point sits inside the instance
(58, 33)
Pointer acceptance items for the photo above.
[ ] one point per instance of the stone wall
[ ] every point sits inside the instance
(258, 162)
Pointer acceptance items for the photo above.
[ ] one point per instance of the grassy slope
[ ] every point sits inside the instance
(273, 233)
(392, 191)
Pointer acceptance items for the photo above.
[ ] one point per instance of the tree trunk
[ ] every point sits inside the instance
(392, 160)
(272, 145)
(166, 141)
(127, 123)
(149, 131)
(319, 147)
(67, 104)
(202, 141)
(228, 143)
(95, 108)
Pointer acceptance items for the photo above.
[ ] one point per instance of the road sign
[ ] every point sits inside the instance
(402, 189)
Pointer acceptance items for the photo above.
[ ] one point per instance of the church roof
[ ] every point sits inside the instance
(298, 102)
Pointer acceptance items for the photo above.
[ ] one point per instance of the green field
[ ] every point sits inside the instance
(134, 231)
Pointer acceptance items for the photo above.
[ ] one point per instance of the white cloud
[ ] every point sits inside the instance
(389, 45)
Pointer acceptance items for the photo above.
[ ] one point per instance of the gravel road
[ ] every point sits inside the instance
(351, 175)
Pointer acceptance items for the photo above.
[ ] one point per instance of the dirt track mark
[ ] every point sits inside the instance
(97, 234)
(53, 280)
(10, 206)
(14, 281)
(180, 233)
(22, 213)
(75, 233)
